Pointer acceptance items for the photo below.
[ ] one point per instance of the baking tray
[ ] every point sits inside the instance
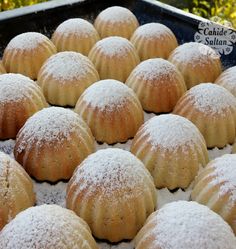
(45, 17)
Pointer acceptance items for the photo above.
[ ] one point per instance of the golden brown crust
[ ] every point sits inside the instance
(2, 69)
(16, 190)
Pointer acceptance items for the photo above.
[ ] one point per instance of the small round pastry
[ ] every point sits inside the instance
(158, 85)
(116, 21)
(75, 34)
(113, 192)
(65, 76)
(154, 40)
(114, 58)
(47, 226)
(185, 225)
(172, 149)
(197, 62)
(20, 98)
(215, 187)
(26, 53)
(111, 110)
(212, 109)
(228, 80)
(16, 189)
(52, 143)
(2, 69)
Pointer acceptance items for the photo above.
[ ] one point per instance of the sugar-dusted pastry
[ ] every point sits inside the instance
(158, 85)
(111, 110)
(197, 62)
(26, 53)
(2, 69)
(20, 98)
(116, 21)
(52, 143)
(16, 189)
(212, 109)
(185, 225)
(215, 187)
(64, 77)
(114, 58)
(172, 149)
(47, 226)
(75, 34)
(154, 40)
(228, 80)
(113, 192)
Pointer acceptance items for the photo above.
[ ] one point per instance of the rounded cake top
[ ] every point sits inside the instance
(67, 65)
(185, 224)
(16, 87)
(228, 77)
(43, 227)
(114, 46)
(49, 125)
(27, 41)
(76, 26)
(152, 30)
(156, 69)
(107, 95)
(116, 14)
(5, 162)
(171, 131)
(194, 52)
(112, 171)
(224, 175)
(211, 98)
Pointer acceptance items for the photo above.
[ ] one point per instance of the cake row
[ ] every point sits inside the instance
(113, 192)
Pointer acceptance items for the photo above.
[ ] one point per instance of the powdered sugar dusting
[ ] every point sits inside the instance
(112, 171)
(107, 94)
(171, 131)
(211, 98)
(47, 125)
(46, 226)
(185, 224)
(76, 26)
(216, 152)
(153, 30)
(15, 87)
(224, 175)
(114, 46)
(194, 53)
(67, 66)
(27, 41)
(155, 69)
(116, 14)
(228, 80)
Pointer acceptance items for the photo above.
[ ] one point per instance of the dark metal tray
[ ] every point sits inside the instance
(47, 16)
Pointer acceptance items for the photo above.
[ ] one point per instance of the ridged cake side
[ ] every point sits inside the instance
(16, 189)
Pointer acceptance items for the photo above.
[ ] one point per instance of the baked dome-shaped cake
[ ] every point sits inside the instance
(197, 62)
(111, 110)
(228, 80)
(16, 189)
(114, 58)
(20, 98)
(64, 77)
(26, 53)
(172, 149)
(2, 69)
(215, 187)
(158, 85)
(113, 192)
(213, 110)
(154, 40)
(75, 34)
(185, 225)
(52, 143)
(116, 21)
(47, 226)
